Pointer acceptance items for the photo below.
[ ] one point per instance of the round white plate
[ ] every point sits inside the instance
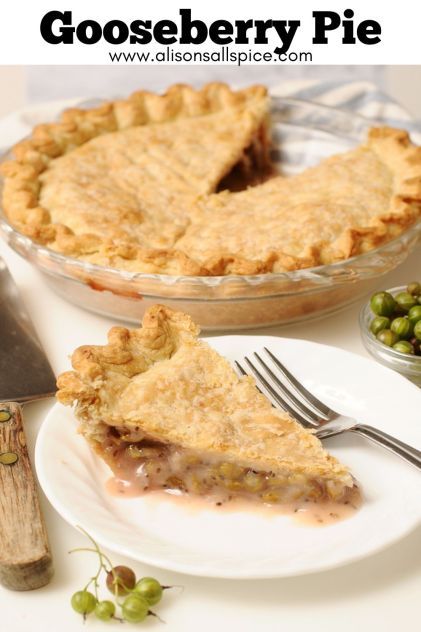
(243, 544)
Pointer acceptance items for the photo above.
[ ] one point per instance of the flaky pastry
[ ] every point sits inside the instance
(166, 411)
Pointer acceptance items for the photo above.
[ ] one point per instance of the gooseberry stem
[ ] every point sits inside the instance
(173, 586)
(102, 566)
(153, 614)
(116, 577)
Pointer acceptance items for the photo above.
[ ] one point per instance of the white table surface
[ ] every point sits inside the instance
(382, 591)
(384, 588)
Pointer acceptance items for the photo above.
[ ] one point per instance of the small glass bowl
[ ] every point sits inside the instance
(407, 365)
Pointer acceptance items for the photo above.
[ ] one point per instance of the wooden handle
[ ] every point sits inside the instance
(25, 558)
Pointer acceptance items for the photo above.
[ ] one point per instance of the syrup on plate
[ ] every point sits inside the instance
(305, 513)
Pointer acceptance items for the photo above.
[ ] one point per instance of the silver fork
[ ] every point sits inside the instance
(292, 396)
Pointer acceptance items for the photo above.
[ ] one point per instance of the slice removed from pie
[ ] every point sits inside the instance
(166, 411)
(346, 205)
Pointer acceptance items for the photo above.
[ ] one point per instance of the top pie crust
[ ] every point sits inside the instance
(132, 185)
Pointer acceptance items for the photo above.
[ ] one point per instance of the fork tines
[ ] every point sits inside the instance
(290, 395)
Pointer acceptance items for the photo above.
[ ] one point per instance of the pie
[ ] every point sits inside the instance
(166, 411)
(181, 184)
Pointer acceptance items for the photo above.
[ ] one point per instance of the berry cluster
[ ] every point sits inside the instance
(397, 321)
(132, 597)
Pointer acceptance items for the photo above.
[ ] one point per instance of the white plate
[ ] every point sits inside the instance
(244, 544)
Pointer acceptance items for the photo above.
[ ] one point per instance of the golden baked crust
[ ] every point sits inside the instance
(161, 382)
(114, 183)
(348, 204)
(135, 186)
(132, 185)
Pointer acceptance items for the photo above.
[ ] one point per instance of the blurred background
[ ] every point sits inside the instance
(25, 85)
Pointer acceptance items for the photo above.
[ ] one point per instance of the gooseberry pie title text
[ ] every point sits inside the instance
(62, 28)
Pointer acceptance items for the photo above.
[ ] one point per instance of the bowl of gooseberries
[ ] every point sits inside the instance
(390, 325)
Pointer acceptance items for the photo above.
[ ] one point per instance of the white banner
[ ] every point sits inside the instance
(166, 32)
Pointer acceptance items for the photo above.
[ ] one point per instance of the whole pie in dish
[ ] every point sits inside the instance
(166, 411)
(178, 184)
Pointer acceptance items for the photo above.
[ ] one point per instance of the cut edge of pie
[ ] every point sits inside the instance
(165, 410)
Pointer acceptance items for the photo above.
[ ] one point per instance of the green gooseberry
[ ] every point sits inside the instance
(414, 288)
(403, 346)
(405, 301)
(83, 602)
(402, 327)
(417, 330)
(135, 608)
(387, 337)
(414, 314)
(105, 610)
(378, 323)
(150, 589)
(383, 304)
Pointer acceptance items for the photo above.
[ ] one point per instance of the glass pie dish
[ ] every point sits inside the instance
(303, 134)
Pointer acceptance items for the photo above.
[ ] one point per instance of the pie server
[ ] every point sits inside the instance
(25, 375)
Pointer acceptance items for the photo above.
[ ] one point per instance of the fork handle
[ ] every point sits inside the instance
(405, 451)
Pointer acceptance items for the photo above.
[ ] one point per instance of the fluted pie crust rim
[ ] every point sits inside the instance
(392, 147)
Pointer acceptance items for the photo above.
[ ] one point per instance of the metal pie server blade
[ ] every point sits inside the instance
(25, 373)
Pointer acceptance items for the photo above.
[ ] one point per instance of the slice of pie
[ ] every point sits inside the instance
(166, 411)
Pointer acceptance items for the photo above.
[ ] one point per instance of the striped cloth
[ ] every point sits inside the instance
(360, 97)
(340, 117)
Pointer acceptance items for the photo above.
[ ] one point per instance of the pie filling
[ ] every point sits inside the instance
(148, 465)
(254, 167)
